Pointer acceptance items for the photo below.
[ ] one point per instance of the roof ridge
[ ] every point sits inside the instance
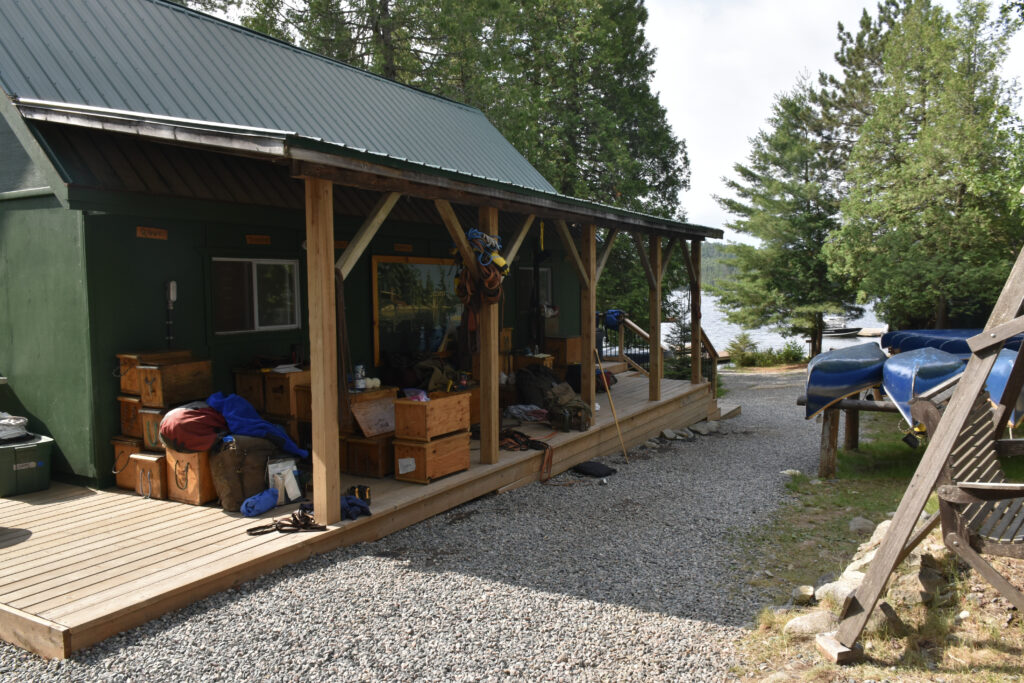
(301, 50)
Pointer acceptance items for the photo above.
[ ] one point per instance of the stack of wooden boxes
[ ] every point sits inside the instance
(151, 384)
(280, 397)
(367, 448)
(431, 437)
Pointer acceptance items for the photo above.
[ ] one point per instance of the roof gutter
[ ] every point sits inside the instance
(317, 157)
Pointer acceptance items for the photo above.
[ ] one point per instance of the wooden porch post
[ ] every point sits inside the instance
(490, 418)
(654, 311)
(588, 305)
(695, 337)
(323, 351)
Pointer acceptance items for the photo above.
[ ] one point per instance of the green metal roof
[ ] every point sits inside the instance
(152, 57)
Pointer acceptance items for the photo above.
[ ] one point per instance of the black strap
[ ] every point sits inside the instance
(300, 520)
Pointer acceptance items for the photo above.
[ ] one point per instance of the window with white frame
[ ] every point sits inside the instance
(255, 295)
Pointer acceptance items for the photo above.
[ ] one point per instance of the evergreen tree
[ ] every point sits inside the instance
(932, 220)
(784, 198)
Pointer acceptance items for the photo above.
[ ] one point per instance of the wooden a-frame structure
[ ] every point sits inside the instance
(978, 509)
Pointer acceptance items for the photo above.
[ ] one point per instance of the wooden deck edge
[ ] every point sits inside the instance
(35, 634)
(370, 528)
(57, 641)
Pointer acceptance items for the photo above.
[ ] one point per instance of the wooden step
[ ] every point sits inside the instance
(615, 367)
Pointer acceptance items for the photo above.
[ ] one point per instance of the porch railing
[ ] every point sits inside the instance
(631, 344)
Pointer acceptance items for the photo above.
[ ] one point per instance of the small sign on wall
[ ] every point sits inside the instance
(403, 248)
(258, 240)
(340, 244)
(150, 233)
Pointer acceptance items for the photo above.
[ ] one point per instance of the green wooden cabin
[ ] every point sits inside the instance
(166, 145)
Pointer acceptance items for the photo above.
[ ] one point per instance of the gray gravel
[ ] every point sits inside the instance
(633, 580)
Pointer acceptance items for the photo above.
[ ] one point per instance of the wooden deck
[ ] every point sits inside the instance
(79, 565)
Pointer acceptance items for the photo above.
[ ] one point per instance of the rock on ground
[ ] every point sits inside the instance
(636, 580)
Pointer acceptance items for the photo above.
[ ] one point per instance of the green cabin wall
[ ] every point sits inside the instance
(104, 293)
(45, 329)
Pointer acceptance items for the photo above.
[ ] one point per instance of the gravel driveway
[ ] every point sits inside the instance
(626, 581)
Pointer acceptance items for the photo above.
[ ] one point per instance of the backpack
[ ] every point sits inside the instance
(532, 382)
(566, 410)
(239, 469)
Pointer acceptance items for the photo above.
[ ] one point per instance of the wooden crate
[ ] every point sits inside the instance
(166, 385)
(424, 420)
(131, 422)
(150, 419)
(304, 399)
(123, 468)
(128, 364)
(368, 456)
(249, 385)
(151, 475)
(189, 477)
(474, 401)
(423, 461)
(279, 392)
(521, 361)
(566, 350)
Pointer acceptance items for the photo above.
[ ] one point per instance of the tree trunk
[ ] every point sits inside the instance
(941, 314)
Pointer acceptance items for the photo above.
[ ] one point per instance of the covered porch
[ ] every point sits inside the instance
(80, 564)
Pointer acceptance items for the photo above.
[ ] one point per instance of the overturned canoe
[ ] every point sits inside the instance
(911, 373)
(952, 341)
(996, 384)
(834, 375)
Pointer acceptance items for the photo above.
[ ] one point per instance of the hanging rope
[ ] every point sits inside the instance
(493, 269)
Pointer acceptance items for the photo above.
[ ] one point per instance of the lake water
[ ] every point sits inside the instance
(721, 332)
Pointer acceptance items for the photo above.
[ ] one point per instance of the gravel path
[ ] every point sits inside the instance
(633, 580)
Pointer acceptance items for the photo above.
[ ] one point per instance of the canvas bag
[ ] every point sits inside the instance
(239, 469)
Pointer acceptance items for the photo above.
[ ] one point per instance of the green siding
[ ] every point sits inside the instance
(44, 330)
(18, 171)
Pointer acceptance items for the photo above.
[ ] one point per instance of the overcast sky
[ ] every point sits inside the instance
(720, 64)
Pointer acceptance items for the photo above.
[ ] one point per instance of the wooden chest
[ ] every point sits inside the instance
(249, 385)
(279, 392)
(424, 420)
(520, 361)
(131, 421)
(166, 385)
(128, 364)
(474, 401)
(189, 477)
(372, 456)
(150, 421)
(565, 350)
(423, 461)
(123, 468)
(150, 475)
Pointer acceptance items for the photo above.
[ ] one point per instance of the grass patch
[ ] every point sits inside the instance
(809, 538)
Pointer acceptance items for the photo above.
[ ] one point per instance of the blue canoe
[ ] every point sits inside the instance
(996, 384)
(911, 373)
(952, 341)
(834, 375)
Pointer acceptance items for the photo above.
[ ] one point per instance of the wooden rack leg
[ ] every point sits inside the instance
(829, 443)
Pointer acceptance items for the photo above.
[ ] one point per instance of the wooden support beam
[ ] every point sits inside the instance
(858, 404)
(458, 235)
(609, 242)
(358, 244)
(588, 306)
(323, 352)
(654, 311)
(512, 250)
(574, 255)
(997, 335)
(645, 261)
(667, 255)
(851, 430)
(829, 443)
(695, 329)
(490, 414)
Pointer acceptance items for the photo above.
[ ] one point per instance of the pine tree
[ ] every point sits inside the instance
(932, 221)
(784, 197)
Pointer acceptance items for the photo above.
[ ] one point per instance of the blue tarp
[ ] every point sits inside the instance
(243, 419)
